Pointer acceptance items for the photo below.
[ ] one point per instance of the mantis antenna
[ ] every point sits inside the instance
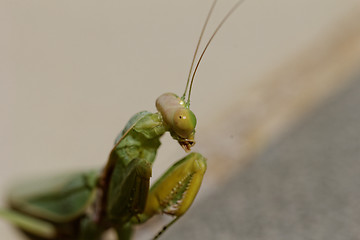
(197, 47)
(237, 4)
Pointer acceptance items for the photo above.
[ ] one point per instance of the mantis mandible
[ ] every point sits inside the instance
(85, 205)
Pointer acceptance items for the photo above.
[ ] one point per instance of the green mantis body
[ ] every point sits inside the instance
(83, 206)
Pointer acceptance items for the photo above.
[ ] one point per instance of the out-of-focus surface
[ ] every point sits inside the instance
(304, 186)
(73, 73)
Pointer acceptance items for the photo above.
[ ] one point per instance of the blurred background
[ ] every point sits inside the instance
(275, 96)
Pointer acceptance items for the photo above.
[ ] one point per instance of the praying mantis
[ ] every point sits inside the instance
(83, 206)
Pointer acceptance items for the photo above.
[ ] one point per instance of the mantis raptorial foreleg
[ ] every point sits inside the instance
(131, 191)
(174, 192)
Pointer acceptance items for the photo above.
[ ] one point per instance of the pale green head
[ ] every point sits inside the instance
(180, 120)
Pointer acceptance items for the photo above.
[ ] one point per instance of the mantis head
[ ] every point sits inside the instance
(174, 110)
(179, 118)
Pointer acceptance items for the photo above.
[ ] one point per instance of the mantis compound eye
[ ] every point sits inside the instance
(184, 122)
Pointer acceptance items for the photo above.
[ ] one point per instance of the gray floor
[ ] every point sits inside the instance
(305, 186)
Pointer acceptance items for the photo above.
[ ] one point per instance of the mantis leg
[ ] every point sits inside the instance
(29, 224)
(90, 230)
(176, 190)
(128, 191)
(124, 232)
